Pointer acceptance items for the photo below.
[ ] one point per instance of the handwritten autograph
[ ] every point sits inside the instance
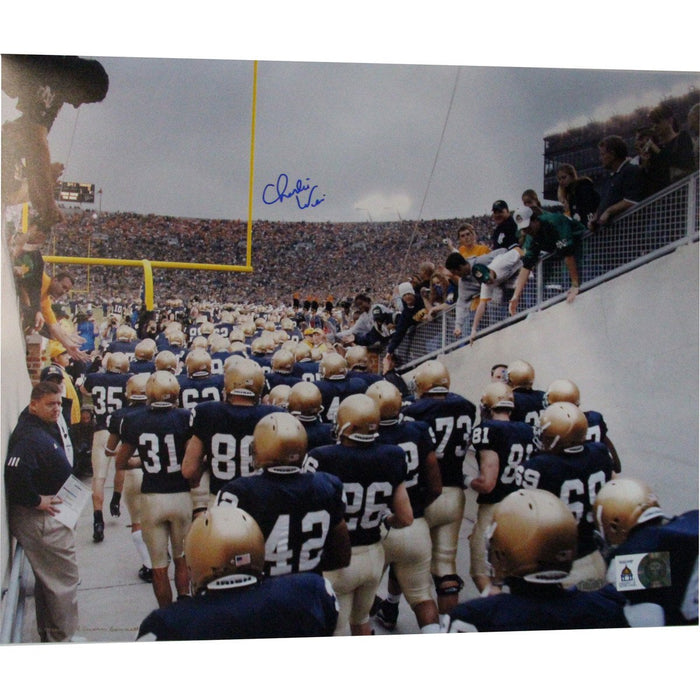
(303, 193)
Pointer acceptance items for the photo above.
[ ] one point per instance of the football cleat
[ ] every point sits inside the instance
(388, 615)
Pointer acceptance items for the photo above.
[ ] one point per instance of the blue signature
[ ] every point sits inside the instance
(304, 194)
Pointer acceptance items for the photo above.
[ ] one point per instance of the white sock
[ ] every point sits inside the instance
(141, 548)
(433, 628)
(393, 598)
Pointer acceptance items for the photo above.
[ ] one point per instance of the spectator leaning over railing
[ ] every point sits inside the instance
(547, 232)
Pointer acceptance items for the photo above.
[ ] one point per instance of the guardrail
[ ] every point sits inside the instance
(650, 229)
(14, 598)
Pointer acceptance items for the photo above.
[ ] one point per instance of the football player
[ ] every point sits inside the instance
(128, 481)
(566, 390)
(652, 558)
(408, 551)
(222, 431)
(373, 477)
(106, 389)
(305, 366)
(520, 376)
(301, 513)
(305, 403)
(451, 417)
(281, 366)
(357, 358)
(144, 352)
(531, 545)
(219, 348)
(231, 598)
(125, 341)
(160, 434)
(574, 470)
(501, 446)
(334, 384)
(198, 383)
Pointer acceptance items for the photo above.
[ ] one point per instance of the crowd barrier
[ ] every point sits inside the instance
(651, 228)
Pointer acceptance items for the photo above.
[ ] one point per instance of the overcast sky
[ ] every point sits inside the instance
(365, 140)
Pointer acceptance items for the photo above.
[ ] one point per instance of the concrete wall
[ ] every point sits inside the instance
(15, 387)
(631, 345)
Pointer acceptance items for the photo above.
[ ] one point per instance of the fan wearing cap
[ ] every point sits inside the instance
(548, 232)
(231, 598)
(505, 233)
(412, 312)
(531, 546)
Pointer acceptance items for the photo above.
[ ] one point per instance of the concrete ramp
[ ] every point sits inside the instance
(631, 345)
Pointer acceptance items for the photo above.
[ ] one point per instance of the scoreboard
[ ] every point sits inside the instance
(75, 192)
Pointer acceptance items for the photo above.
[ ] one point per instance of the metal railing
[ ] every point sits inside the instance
(648, 230)
(14, 598)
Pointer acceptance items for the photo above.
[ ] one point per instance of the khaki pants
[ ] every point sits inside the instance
(50, 549)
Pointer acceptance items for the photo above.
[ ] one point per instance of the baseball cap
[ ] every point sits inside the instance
(499, 205)
(522, 217)
(52, 373)
(481, 273)
(406, 288)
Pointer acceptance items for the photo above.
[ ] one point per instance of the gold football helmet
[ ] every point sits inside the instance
(620, 505)
(236, 335)
(217, 343)
(279, 395)
(302, 352)
(520, 375)
(244, 378)
(432, 377)
(497, 395)
(533, 536)
(282, 361)
(258, 346)
(199, 341)
(279, 440)
(562, 390)
(357, 357)
(162, 389)
(198, 363)
(305, 400)
(125, 333)
(166, 360)
(332, 366)
(135, 390)
(176, 338)
(561, 425)
(117, 362)
(357, 419)
(145, 349)
(206, 328)
(224, 547)
(387, 397)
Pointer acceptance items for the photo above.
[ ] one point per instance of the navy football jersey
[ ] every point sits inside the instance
(273, 379)
(142, 367)
(574, 475)
(107, 392)
(597, 428)
(299, 605)
(417, 442)
(333, 391)
(125, 346)
(667, 574)
(368, 378)
(451, 420)
(217, 361)
(295, 512)
(194, 390)
(370, 474)
(528, 405)
(546, 607)
(513, 443)
(265, 361)
(307, 370)
(160, 436)
(227, 434)
(114, 419)
(318, 433)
